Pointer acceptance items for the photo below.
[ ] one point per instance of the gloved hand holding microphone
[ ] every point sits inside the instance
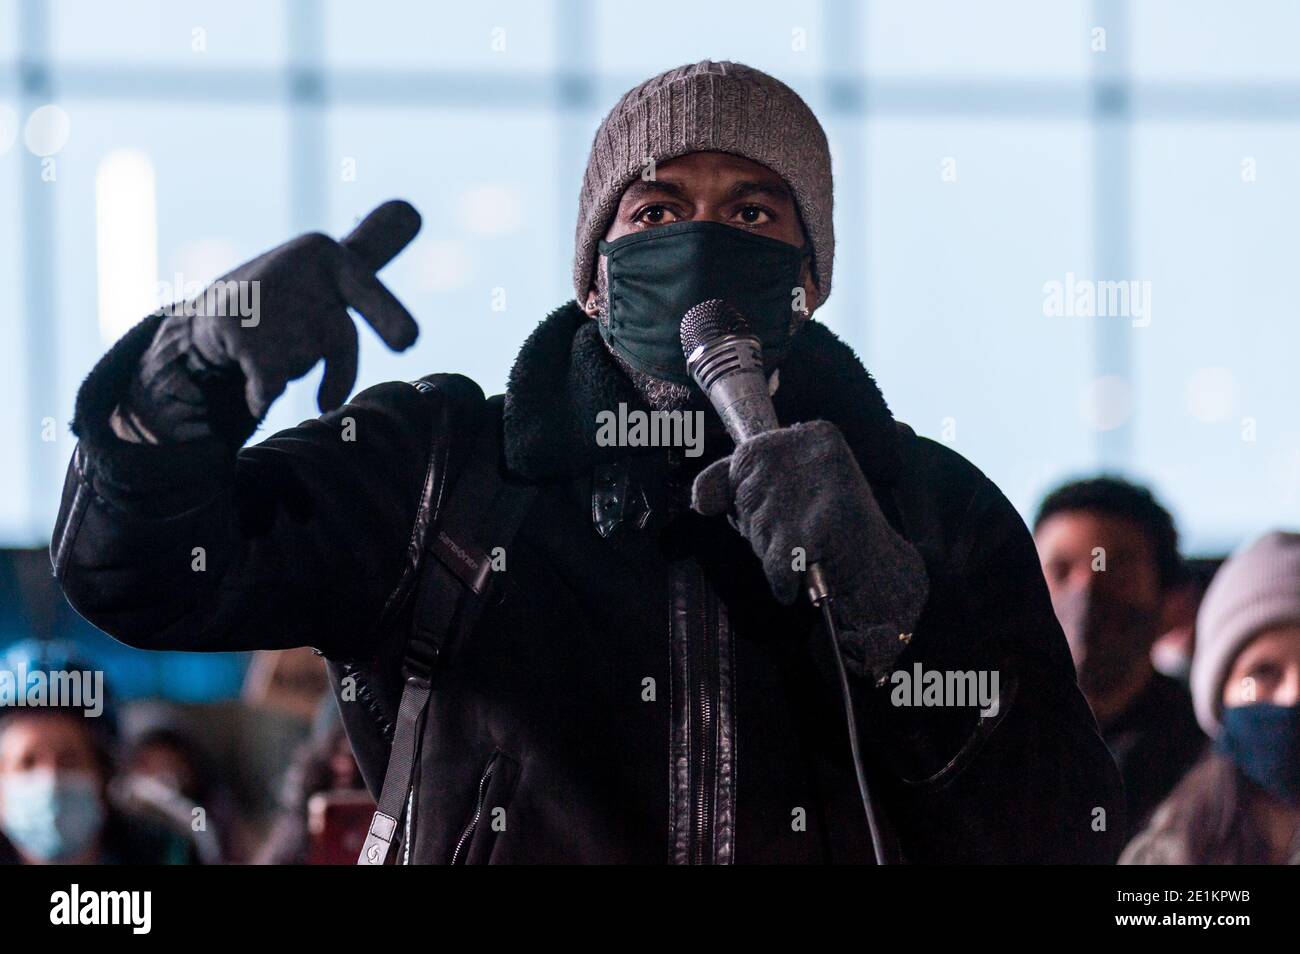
(799, 497)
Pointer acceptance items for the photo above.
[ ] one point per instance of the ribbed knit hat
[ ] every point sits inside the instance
(1257, 589)
(708, 107)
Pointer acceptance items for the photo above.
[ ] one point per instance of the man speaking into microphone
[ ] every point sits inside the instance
(553, 648)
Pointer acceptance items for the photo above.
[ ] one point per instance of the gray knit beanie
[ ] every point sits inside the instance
(1257, 589)
(708, 107)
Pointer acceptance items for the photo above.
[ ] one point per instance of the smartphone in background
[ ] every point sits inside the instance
(337, 823)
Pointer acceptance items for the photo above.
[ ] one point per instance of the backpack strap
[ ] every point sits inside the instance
(483, 512)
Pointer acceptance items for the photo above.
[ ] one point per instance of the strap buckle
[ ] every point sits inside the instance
(420, 660)
(379, 840)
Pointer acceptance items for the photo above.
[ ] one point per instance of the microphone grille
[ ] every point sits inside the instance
(708, 320)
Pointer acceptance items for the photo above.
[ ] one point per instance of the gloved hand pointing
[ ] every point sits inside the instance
(306, 288)
(301, 292)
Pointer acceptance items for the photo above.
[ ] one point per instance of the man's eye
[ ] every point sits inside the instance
(754, 215)
(655, 215)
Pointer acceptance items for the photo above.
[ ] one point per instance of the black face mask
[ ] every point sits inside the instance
(1264, 741)
(1108, 636)
(657, 275)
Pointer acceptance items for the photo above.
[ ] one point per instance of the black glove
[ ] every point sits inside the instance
(800, 487)
(304, 290)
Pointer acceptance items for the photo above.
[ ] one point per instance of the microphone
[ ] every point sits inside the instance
(725, 359)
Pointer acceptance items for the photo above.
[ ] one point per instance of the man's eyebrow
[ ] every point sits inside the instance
(642, 188)
(645, 188)
(775, 190)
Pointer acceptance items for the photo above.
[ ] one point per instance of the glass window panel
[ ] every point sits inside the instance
(845, 312)
(1002, 39)
(18, 427)
(215, 207)
(955, 271)
(493, 257)
(1216, 383)
(939, 285)
(8, 31)
(138, 33)
(1205, 41)
(779, 36)
(491, 35)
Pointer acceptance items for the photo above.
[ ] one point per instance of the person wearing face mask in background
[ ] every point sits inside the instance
(1241, 803)
(56, 766)
(1172, 652)
(167, 774)
(1109, 552)
(647, 686)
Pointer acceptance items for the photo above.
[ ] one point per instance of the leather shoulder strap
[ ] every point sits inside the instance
(468, 534)
(468, 538)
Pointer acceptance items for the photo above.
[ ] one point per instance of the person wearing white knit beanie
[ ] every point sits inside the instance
(1241, 803)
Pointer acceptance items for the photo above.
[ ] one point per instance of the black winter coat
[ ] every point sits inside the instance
(636, 690)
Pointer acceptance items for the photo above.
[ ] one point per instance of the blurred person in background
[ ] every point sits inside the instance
(171, 758)
(1110, 555)
(1172, 653)
(165, 769)
(323, 764)
(1241, 803)
(56, 767)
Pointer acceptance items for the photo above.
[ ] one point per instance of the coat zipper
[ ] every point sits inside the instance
(705, 666)
(700, 648)
(468, 833)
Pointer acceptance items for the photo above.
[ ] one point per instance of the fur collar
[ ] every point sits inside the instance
(564, 376)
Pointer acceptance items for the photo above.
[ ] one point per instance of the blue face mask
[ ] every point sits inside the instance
(1264, 741)
(51, 816)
